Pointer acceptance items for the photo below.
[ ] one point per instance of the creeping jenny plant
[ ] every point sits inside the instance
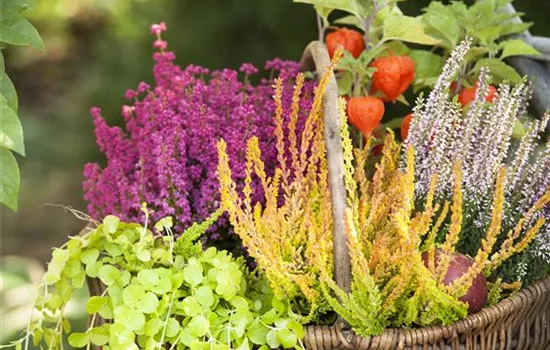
(159, 293)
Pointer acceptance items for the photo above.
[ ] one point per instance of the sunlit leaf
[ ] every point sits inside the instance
(405, 28)
(517, 47)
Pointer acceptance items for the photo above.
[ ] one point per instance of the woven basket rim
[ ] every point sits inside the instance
(487, 317)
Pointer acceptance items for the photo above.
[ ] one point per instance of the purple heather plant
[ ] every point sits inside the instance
(166, 155)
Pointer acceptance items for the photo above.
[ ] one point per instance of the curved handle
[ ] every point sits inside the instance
(315, 57)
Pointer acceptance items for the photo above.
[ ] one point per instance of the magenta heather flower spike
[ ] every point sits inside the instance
(166, 153)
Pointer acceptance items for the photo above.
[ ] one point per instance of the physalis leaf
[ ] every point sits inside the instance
(517, 47)
(405, 28)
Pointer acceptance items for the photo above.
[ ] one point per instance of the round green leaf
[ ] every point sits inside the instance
(99, 335)
(192, 274)
(92, 269)
(173, 327)
(153, 327)
(239, 303)
(286, 338)
(148, 278)
(132, 319)
(108, 274)
(149, 303)
(132, 295)
(89, 256)
(257, 333)
(205, 296)
(78, 340)
(190, 306)
(272, 340)
(144, 255)
(297, 328)
(198, 326)
(110, 224)
(11, 132)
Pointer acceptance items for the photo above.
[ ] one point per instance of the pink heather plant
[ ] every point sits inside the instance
(166, 154)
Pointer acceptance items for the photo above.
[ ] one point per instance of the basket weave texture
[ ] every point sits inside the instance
(518, 322)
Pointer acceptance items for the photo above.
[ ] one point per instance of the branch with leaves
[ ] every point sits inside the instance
(15, 29)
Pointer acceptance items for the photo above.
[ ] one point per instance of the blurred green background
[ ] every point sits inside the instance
(95, 50)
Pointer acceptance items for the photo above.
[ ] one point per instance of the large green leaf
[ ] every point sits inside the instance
(405, 28)
(19, 31)
(8, 91)
(444, 22)
(11, 8)
(517, 47)
(324, 12)
(426, 63)
(351, 20)
(515, 28)
(356, 7)
(9, 179)
(499, 70)
(11, 132)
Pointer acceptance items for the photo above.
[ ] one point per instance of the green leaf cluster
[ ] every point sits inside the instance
(428, 39)
(15, 29)
(487, 26)
(159, 294)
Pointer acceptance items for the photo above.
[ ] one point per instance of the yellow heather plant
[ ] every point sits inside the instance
(290, 236)
(395, 279)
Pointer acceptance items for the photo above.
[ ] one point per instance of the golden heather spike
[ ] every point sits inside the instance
(347, 145)
(255, 155)
(359, 263)
(408, 182)
(509, 249)
(539, 204)
(453, 235)
(361, 162)
(247, 190)
(292, 136)
(460, 286)
(316, 111)
(279, 133)
(431, 192)
(430, 241)
(497, 212)
(423, 220)
(456, 211)
(229, 198)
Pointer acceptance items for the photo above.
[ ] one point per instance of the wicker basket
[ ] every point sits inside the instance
(518, 322)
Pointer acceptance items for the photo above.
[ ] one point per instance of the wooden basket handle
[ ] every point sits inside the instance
(316, 57)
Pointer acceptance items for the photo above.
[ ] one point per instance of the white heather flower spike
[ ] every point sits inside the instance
(482, 139)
